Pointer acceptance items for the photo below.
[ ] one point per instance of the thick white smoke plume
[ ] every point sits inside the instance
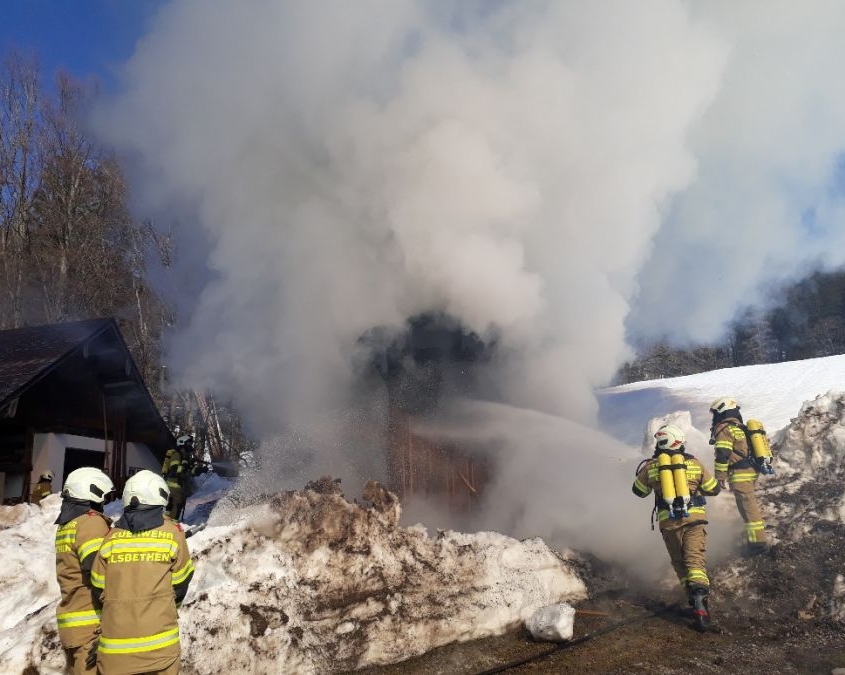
(532, 168)
(354, 164)
(767, 204)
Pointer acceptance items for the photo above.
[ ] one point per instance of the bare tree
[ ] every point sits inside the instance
(69, 247)
(20, 161)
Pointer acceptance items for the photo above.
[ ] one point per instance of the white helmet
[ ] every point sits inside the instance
(670, 437)
(145, 488)
(720, 405)
(47, 475)
(88, 483)
(187, 438)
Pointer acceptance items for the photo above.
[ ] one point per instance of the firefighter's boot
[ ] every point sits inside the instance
(755, 548)
(698, 596)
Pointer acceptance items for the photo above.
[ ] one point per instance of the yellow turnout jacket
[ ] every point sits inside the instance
(732, 453)
(77, 543)
(699, 480)
(143, 576)
(42, 489)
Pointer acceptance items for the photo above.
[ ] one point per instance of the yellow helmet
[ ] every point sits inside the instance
(669, 437)
(720, 405)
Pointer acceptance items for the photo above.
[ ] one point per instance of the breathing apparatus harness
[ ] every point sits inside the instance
(758, 454)
(674, 488)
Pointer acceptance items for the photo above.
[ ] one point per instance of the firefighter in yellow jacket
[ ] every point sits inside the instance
(176, 473)
(681, 512)
(82, 527)
(43, 488)
(143, 570)
(734, 466)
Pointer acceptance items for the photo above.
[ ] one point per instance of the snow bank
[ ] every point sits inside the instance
(809, 481)
(311, 583)
(207, 490)
(305, 582)
(27, 574)
(29, 591)
(804, 505)
(815, 439)
(808, 494)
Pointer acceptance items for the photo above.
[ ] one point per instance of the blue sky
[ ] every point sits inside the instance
(85, 37)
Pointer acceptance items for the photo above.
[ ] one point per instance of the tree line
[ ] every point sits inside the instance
(70, 249)
(808, 322)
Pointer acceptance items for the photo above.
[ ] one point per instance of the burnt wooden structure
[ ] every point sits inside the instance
(74, 378)
(422, 465)
(425, 367)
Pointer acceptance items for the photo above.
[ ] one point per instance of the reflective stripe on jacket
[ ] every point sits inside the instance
(143, 577)
(172, 469)
(699, 481)
(42, 489)
(731, 450)
(77, 542)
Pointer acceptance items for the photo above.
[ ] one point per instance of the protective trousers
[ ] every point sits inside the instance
(76, 657)
(749, 511)
(172, 669)
(177, 501)
(687, 546)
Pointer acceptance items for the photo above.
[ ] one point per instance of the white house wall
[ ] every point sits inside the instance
(48, 453)
(139, 456)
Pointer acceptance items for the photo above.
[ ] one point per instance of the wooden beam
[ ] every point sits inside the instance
(466, 482)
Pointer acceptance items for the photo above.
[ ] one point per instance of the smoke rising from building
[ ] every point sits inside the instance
(354, 165)
(546, 172)
(767, 203)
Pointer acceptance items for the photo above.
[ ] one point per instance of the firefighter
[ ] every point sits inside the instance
(142, 570)
(682, 523)
(735, 469)
(43, 488)
(172, 483)
(82, 527)
(174, 470)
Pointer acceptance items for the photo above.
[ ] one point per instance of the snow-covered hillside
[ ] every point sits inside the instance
(773, 393)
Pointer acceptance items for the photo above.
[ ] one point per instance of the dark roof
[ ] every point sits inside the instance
(33, 357)
(27, 354)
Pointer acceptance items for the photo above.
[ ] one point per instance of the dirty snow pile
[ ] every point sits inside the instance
(305, 582)
(29, 591)
(313, 583)
(809, 482)
(804, 506)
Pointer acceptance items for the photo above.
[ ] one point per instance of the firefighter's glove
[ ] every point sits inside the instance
(91, 659)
